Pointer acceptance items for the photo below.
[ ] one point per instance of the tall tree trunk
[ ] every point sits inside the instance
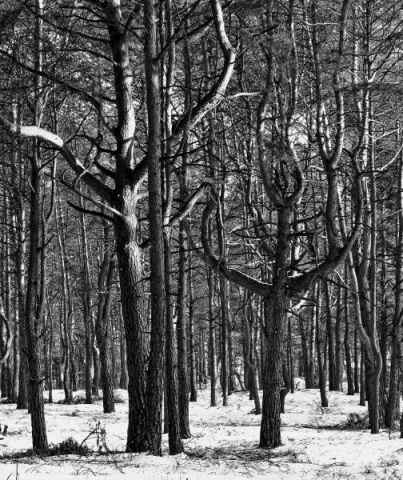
(103, 323)
(31, 320)
(123, 381)
(393, 407)
(224, 340)
(333, 381)
(319, 342)
(87, 309)
(304, 353)
(212, 339)
(66, 313)
(375, 406)
(20, 226)
(275, 321)
(274, 328)
(338, 343)
(192, 352)
(50, 348)
(182, 320)
(174, 433)
(363, 368)
(133, 309)
(250, 362)
(33, 315)
(356, 363)
(290, 355)
(347, 340)
(155, 375)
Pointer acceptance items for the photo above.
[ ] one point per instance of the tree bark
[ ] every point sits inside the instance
(275, 322)
(103, 323)
(174, 432)
(393, 407)
(155, 375)
(333, 381)
(319, 342)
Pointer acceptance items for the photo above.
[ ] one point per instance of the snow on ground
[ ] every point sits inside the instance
(223, 446)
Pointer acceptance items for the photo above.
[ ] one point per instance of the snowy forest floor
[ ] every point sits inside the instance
(224, 445)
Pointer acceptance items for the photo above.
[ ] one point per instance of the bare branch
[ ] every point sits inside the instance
(36, 132)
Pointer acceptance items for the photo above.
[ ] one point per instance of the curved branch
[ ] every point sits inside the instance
(260, 288)
(333, 260)
(216, 94)
(36, 132)
(190, 203)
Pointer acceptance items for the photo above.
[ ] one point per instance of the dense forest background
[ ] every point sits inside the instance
(197, 194)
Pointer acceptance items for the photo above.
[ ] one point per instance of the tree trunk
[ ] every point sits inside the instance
(102, 323)
(393, 407)
(182, 311)
(192, 353)
(338, 343)
(333, 380)
(363, 368)
(356, 363)
(275, 323)
(66, 312)
(123, 381)
(87, 309)
(32, 322)
(174, 433)
(274, 328)
(133, 309)
(155, 377)
(319, 342)
(20, 221)
(250, 362)
(181, 329)
(347, 340)
(224, 340)
(212, 339)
